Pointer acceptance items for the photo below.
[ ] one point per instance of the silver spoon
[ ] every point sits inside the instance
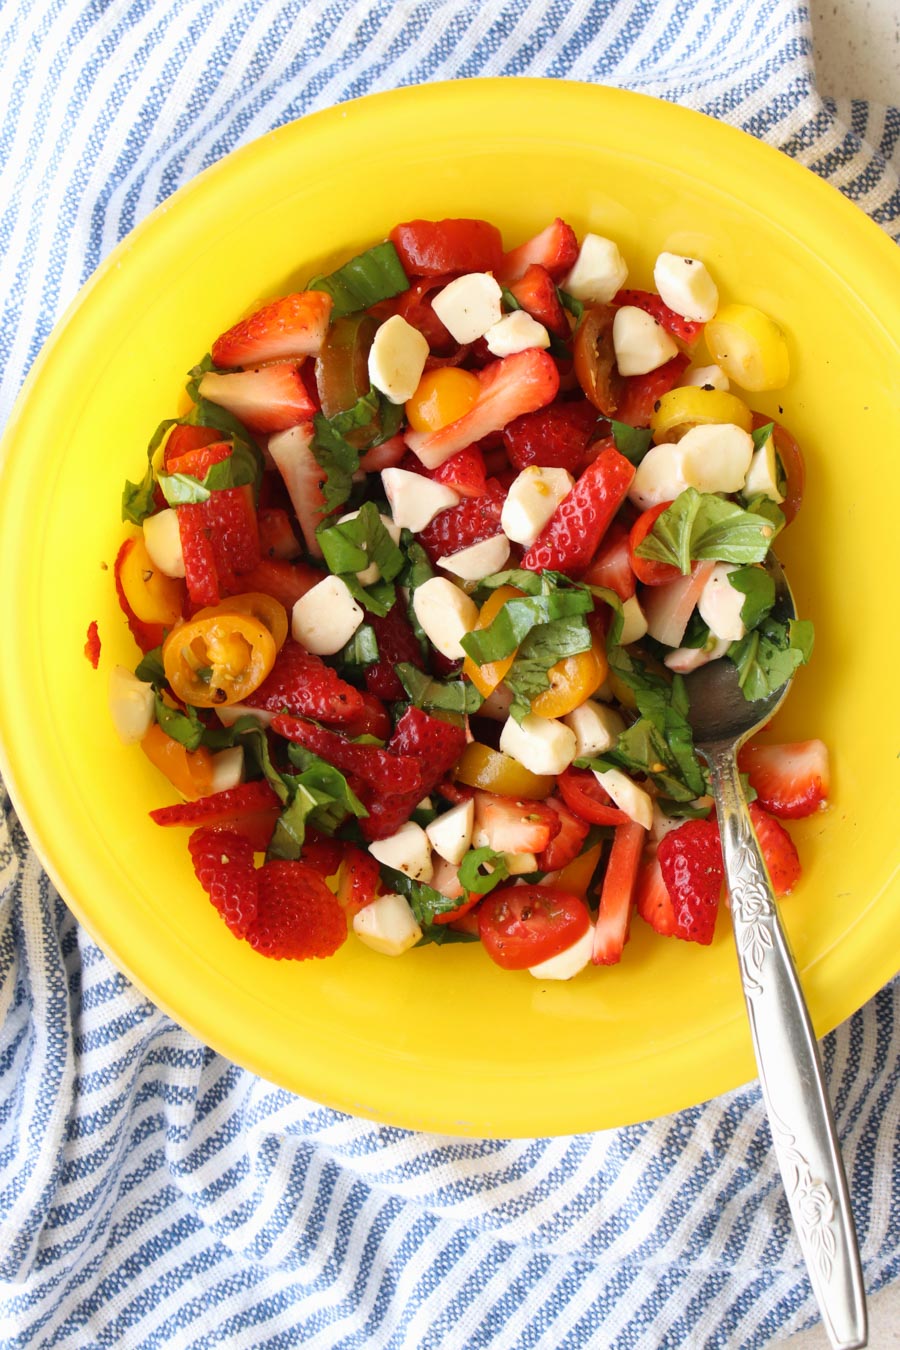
(790, 1070)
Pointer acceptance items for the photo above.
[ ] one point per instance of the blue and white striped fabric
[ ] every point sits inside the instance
(153, 1194)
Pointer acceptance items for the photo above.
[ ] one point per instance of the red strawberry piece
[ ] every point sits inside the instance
(385, 456)
(556, 437)
(611, 566)
(536, 293)
(197, 463)
(233, 529)
(297, 915)
(463, 472)
(690, 859)
(271, 398)
(322, 853)
(301, 682)
(292, 326)
(564, 846)
(396, 643)
(778, 850)
(436, 745)
(455, 792)
(304, 479)
(555, 249)
(472, 520)
(654, 904)
(617, 894)
(276, 534)
(373, 719)
(358, 881)
(224, 809)
(790, 780)
(641, 393)
(415, 307)
(284, 581)
(428, 248)
(183, 437)
(572, 536)
(510, 826)
(146, 635)
(92, 644)
(687, 330)
(223, 862)
(383, 770)
(508, 388)
(201, 574)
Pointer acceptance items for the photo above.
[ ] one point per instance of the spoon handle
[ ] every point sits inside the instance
(790, 1070)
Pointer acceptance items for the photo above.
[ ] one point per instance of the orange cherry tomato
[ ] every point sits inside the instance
(218, 659)
(190, 771)
(572, 680)
(441, 397)
(153, 597)
(486, 678)
(595, 359)
(482, 767)
(257, 605)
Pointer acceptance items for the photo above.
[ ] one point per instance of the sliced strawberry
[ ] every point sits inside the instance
(226, 808)
(276, 534)
(790, 780)
(463, 472)
(455, 792)
(415, 307)
(687, 330)
(396, 643)
(301, 682)
(383, 770)
(297, 915)
(617, 894)
(572, 536)
(385, 456)
(322, 854)
(373, 719)
(508, 388)
(654, 904)
(223, 863)
(566, 845)
(472, 520)
(640, 393)
(510, 826)
(183, 437)
(92, 644)
(611, 566)
(267, 399)
(429, 248)
(284, 581)
(436, 745)
(201, 574)
(358, 881)
(198, 462)
(536, 293)
(555, 437)
(146, 635)
(303, 477)
(690, 859)
(668, 608)
(778, 850)
(292, 326)
(233, 529)
(555, 249)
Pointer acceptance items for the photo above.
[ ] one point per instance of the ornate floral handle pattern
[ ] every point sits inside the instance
(790, 1070)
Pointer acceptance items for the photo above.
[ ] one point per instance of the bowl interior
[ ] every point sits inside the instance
(443, 1040)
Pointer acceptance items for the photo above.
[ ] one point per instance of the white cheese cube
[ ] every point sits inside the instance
(478, 560)
(163, 541)
(520, 864)
(568, 963)
(451, 833)
(446, 614)
(541, 744)
(716, 457)
(407, 851)
(132, 705)
(371, 574)
(227, 768)
(685, 285)
(387, 925)
(397, 358)
(414, 499)
(599, 271)
(707, 377)
(634, 624)
(641, 344)
(532, 500)
(720, 605)
(326, 617)
(660, 476)
(516, 332)
(762, 476)
(596, 728)
(469, 306)
(627, 796)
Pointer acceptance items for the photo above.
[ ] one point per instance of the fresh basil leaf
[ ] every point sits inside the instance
(660, 743)
(518, 617)
(427, 692)
(360, 651)
(353, 545)
(684, 810)
(761, 505)
(759, 589)
(696, 634)
(332, 795)
(761, 435)
(632, 442)
(609, 597)
(569, 302)
(238, 470)
(425, 902)
(186, 728)
(701, 525)
(139, 499)
(529, 674)
(768, 655)
(339, 440)
(474, 879)
(362, 282)
(509, 301)
(150, 667)
(289, 834)
(442, 935)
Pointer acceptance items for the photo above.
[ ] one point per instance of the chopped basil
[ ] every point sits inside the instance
(701, 525)
(767, 656)
(184, 727)
(508, 299)
(517, 617)
(150, 667)
(761, 435)
(425, 902)
(569, 302)
(482, 882)
(632, 442)
(238, 470)
(362, 282)
(759, 589)
(338, 441)
(427, 692)
(360, 651)
(541, 649)
(442, 935)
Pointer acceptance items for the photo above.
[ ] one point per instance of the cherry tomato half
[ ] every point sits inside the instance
(595, 359)
(648, 570)
(582, 794)
(190, 771)
(219, 659)
(257, 605)
(520, 926)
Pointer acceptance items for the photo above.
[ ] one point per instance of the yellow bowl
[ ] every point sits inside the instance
(442, 1039)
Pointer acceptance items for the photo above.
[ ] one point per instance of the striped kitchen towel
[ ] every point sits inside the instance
(152, 1194)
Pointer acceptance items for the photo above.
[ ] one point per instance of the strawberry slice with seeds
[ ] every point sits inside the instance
(472, 520)
(687, 330)
(536, 293)
(778, 850)
(382, 770)
(322, 853)
(510, 826)
(184, 437)
(555, 249)
(790, 780)
(304, 479)
(430, 248)
(436, 746)
(565, 845)
(302, 684)
(201, 574)
(572, 536)
(292, 326)
(297, 915)
(653, 902)
(640, 393)
(234, 531)
(690, 859)
(358, 881)
(284, 581)
(223, 809)
(463, 472)
(508, 388)
(555, 437)
(612, 565)
(267, 399)
(223, 863)
(396, 643)
(197, 463)
(276, 534)
(617, 894)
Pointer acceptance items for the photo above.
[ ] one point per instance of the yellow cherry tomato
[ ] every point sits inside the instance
(442, 396)
(258, 605)
(190, 771)
(486, 678)
(491, 770)
(691, 406)
(572, 680)
(219, 659)
(750, 348)
(152, 596)
(576, 876)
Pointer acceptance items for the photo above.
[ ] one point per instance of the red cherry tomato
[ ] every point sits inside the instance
(521, 926)
(647, 570)
(641, 392)
(582, 794)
